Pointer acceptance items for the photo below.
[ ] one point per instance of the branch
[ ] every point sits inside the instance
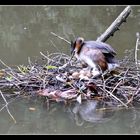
(60, 37)
(111, 29)
(136, 48)
(6, 105)
(115, 25)
(115, 97)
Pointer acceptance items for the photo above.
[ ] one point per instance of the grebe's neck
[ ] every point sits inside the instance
(80, 49)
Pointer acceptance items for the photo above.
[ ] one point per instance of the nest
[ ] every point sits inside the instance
(51, 77)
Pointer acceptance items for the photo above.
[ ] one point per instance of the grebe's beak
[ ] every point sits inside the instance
(72, 50)
(72, 46)
(72, 55)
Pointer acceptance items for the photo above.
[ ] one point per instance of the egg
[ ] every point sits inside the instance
(75, 75)
(95, 73)
(83, 77)
(70, 77)
(88, 74)
(83, 72)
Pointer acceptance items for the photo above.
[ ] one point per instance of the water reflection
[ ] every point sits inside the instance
(58, 120)
(25, 31)
(91, 111)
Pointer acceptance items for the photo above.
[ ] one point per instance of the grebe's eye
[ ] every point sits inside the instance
(80, 41)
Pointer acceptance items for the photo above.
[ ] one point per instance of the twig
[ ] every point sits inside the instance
(68, 43)
(125, 75)
(5, 65)
(60, 37)
(6, 105)
(116, 87)
(54, 46)
(115, 97)
(10, 69)
(115, 25)
(29, 61)
(66, 64)
(134, 93)
(48, 58)
(136, 48)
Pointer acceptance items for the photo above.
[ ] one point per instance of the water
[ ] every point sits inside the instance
(25, 32)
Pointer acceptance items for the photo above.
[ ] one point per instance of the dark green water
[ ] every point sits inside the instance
(25, 32)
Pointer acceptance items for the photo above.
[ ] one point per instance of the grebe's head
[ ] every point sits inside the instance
(77, 44)
(79, 41)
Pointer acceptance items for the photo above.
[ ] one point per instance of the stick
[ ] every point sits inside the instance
(134, 93)
(111, 29)
(10, 69)
(117, 99)
(49, 58)
(60, 37)
(136, 48)
(116, 86)
(114, 97)
(115, 25)
(6, 105)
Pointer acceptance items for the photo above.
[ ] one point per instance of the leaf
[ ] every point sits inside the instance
(68, 94)
(22, 69)
(57, 94)
(50, 67)
(9, 78)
